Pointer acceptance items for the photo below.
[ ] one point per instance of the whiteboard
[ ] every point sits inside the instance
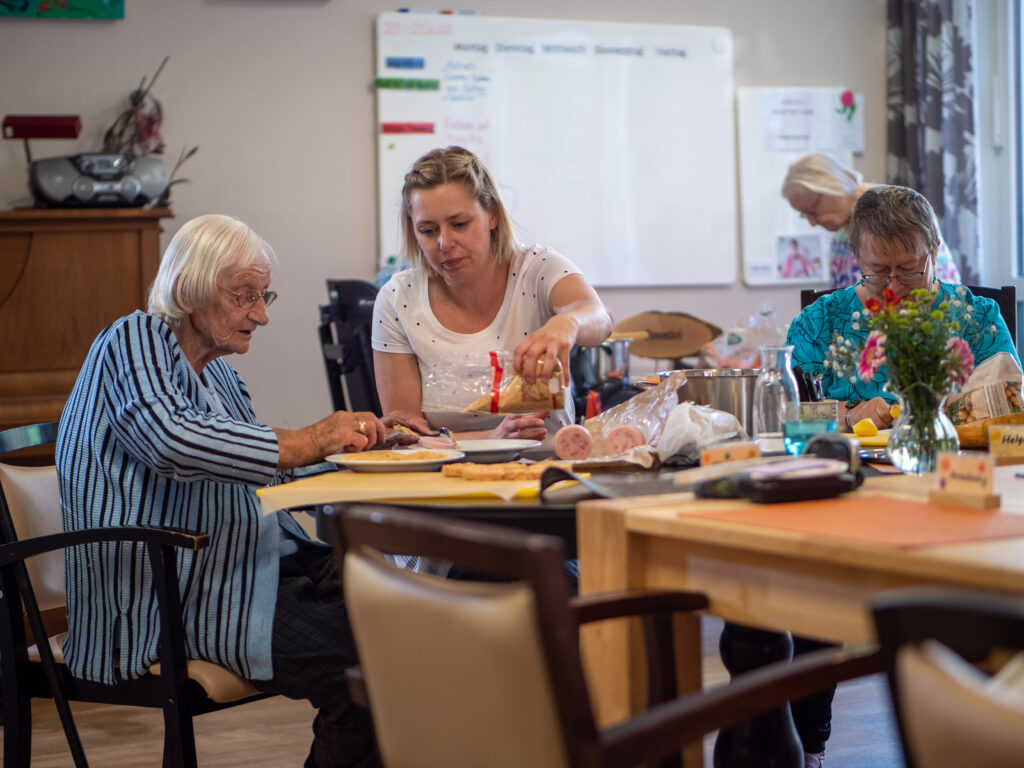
(611, 143)
(768, 145)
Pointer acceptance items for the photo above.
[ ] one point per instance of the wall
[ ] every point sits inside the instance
(278, 96)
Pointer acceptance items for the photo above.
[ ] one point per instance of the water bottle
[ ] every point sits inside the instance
(776, 398)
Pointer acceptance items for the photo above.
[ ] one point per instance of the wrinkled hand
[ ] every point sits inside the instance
(348, 432)
(552, 341)
(522, 426)
(415, 421)
(876, 409)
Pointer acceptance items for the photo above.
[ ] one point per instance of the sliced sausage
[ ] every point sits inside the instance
(622, 438)
(436, 442)
(573, 442)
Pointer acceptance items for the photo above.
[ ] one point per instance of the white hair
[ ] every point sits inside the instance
(199, 254)
(823, 175)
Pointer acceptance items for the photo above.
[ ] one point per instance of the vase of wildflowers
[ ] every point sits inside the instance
(917, 340)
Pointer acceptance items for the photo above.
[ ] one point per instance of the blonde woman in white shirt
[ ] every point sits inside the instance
(473, 288)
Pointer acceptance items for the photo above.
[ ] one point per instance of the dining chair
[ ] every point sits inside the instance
(344, 333)
(940, 648)
(1005, 297)
(462, 674)
(33, 618)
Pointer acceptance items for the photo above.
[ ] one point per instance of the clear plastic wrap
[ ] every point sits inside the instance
(489, 385)
(647, 411)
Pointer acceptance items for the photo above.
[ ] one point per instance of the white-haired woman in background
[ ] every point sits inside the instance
(824, 191)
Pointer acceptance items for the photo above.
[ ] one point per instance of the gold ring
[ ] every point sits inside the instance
(362, 428)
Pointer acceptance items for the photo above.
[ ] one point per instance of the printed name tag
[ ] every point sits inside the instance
(826, 410)
(719, 454)
(1006, 440)
(966, 473)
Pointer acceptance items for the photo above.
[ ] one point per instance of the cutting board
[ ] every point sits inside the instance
(875, 441)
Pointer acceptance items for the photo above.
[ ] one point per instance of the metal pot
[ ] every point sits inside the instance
(727, 389)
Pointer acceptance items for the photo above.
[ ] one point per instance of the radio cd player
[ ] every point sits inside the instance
(97, 179)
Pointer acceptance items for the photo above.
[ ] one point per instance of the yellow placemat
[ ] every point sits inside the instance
(368, 486)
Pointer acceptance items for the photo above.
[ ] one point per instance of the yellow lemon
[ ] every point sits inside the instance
(894, 411)
(865, 428)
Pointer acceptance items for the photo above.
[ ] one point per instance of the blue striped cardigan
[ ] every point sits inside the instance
(144, 440)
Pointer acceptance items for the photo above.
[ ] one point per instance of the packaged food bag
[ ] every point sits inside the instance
(511, 393)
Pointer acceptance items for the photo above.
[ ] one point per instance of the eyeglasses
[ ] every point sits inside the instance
(907, 278)
(248, 299)
(813, 212)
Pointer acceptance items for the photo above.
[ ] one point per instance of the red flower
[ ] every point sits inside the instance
(873, 305)
(846, 98)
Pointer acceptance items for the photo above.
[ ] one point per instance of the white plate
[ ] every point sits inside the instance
(488, 451)
(396, 465)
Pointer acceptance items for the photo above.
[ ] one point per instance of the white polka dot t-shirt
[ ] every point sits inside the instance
(454, 367)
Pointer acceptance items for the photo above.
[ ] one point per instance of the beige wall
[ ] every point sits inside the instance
(277, 94)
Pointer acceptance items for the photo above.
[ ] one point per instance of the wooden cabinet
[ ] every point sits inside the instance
(65, 274)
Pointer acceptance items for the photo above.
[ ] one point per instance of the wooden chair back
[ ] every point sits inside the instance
(33, 613)
(489, 672)
(938, 648)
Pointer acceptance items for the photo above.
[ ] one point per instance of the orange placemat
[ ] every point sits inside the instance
(877, 520)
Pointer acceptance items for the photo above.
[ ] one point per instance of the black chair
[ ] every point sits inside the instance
(458, 672)
(1005, 297)
(939, 647)
(29, 504)
(345, 325)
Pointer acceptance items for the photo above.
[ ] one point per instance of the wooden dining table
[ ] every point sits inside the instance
(815, 576)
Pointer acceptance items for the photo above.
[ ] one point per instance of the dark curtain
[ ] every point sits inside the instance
(932, 147)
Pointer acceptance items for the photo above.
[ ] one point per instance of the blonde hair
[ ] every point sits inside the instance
(204, 249)
(823, 175)
(455, 164)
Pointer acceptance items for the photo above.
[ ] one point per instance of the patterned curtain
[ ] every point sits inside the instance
(931, 139)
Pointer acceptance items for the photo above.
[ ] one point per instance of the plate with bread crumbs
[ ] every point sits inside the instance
(396, 460)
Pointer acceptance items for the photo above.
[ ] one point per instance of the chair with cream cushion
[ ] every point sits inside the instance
(32, 568)
(941, 649)
(468, 674)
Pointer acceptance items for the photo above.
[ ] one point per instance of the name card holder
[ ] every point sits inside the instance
(724, 452)
(965, 480)
(1006, 443)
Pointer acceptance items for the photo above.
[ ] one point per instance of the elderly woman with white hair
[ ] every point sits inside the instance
(160, 431)
(824, 191)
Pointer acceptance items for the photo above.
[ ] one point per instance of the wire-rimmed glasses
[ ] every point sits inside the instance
(248, 299)
(907, 278)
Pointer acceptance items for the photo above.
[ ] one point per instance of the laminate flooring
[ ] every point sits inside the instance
(276, 732)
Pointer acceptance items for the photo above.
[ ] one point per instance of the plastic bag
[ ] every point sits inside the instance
(492, 388)
(690, 427)
(737, 347)
(647, 411)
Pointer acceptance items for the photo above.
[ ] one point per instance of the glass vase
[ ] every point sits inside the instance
(775, 397)
(922, 431)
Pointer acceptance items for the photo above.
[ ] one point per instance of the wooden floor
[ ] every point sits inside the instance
(275, 732)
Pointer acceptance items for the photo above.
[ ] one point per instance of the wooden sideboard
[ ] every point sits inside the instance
(65, 274)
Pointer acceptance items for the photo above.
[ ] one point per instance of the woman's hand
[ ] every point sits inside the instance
(344, 431)
(341, 431)
(552, 341)
(521, 426)
(415, 421)
(876, 409)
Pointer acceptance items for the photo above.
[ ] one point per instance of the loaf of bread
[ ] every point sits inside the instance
(519, 396)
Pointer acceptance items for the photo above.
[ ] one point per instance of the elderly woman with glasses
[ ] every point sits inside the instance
(824, 191)
(895, 239)
(160, 431)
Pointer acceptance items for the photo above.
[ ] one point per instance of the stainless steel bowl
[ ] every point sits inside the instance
(727, 389)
